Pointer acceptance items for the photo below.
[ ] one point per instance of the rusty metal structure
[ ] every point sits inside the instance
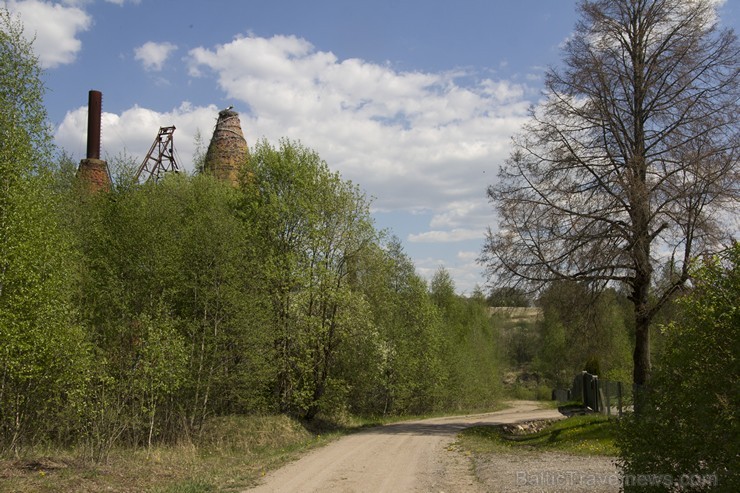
(93, 172)
(161, 156)
(227, 152)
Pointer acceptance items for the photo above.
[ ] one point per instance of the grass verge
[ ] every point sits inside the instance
(578, 435)
(231, 454)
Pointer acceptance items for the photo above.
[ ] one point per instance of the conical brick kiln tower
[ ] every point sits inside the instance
(228, 152)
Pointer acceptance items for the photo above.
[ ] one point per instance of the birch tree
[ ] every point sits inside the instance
(43, 354)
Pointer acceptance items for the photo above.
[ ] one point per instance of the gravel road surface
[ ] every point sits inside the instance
(416, 456)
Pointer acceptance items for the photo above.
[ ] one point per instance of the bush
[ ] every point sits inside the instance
(685, 436)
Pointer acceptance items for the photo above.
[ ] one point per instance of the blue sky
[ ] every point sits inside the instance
(414, 100)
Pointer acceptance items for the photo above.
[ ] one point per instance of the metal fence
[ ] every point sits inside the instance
(599, 395)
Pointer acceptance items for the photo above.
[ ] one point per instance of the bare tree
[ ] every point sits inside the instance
(630, 161)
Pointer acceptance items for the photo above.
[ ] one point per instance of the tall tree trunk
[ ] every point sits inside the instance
(643, 312)
(641, 355)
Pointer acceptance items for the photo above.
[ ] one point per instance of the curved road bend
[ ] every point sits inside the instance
(403, 457)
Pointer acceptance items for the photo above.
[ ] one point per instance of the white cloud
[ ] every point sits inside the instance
(468, 256)
(134, 130)
(457, 214)
(453, 235)
(153, 55)
(55, 28)
(412, 139)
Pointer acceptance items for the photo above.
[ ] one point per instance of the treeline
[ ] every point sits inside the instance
(136, 315)
(189, 299)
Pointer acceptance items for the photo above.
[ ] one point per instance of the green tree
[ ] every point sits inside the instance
(689, 427)
(311, 226)
(407, 344)
(169, 278)
(633, 151)
(160, 366)
(508, 296)
(579, 325)
(469, 346)
(43, 355)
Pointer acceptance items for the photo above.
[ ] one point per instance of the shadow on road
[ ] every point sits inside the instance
(422, 428)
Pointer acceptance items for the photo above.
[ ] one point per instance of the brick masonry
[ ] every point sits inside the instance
(228, 150)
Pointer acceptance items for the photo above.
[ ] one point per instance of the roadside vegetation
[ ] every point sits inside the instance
(231, 454)
(570, 328)
(578, 435)
(688, 430)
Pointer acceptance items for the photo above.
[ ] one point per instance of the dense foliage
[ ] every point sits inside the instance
(43, 353)
(580, 326)
(688, 434)
(571, 328)
(139, 315)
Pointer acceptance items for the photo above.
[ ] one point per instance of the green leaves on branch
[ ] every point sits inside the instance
(688, 427)
(43, 353)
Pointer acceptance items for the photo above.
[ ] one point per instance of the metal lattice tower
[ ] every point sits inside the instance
(161, 156)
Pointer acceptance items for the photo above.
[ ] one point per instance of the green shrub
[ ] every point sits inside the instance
(686, 433)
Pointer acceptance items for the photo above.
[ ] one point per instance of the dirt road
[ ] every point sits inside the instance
(407, 456)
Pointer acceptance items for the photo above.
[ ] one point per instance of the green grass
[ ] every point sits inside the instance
(187, 486)
(579, 435)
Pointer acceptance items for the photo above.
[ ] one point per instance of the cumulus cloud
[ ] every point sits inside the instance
(134, 130)
(460, 213)
(55, 28)
(153, 55)
(413, 139)
(453, 235)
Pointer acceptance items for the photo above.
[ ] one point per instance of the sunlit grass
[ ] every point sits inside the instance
(581, 435)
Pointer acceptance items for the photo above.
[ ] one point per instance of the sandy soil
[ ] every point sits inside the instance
(408, 456)
(550, 472)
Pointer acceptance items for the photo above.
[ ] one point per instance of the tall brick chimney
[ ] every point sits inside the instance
(93, 172)
(228, 152)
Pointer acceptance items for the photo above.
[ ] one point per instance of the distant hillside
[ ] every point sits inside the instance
(516, 313)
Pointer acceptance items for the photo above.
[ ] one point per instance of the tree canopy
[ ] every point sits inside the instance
(631, 160)
(43, 357)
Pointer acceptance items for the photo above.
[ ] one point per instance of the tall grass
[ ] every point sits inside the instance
(229, 454)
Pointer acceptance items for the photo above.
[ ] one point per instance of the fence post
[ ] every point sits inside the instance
(619, 398)
(608, 401)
